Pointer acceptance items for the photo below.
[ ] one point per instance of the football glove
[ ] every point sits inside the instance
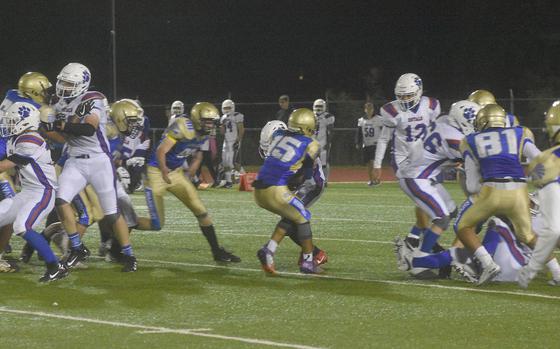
(85, 108)
(136, 161)
(124, 176)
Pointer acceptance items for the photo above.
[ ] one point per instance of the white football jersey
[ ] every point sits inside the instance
(440, 148)
(324, 120)
(230, 121)
(510, 255)
(371, 129)
(38, 172)
(83, 145)
(410, 127)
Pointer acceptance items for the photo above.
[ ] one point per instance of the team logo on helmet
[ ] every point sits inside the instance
(85, 76)
(24, 111)
(469, 113)
(418, 81)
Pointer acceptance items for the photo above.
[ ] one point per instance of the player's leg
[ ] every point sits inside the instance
(154, 190)
(103, 179)
(70, 182)
(185, 191)
(32, 207)
(7, 216)
(227, 161)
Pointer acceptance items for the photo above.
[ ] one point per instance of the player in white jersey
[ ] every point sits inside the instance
(367, 133)
(325, 124)
(406, 121)
(81, 116)
(232, 128)
(177, 109)
(29, 153)
(418, 178)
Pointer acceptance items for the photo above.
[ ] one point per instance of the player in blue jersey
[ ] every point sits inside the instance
(496, 182)
(182, 138)
(291, 157)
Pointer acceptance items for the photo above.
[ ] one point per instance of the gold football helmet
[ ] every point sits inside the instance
(552, 122)
(127, 116)
(204, 116)
(482, 97)
(35, 86)
(492, 115)
(302, 121)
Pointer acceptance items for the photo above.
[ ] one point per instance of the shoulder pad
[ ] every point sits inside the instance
(527, 133)
(390, 109)
(313, 148)
(93, 95)
(181, 128)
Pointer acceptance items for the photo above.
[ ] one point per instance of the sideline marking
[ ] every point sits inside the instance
(389, 282)
(154, 329)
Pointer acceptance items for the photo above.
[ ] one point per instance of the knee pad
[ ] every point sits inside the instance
(443, 222)
(285, 224)
(111, 218)
(60, 202)
(304, 231)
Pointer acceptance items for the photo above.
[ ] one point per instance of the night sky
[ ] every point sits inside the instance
(256, 50)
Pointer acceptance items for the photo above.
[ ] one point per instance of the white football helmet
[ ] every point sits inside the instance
(177, 108)
(266, 135)
(73, 80)
(319, 106)
(19, 117)
(462, 115)
(408, 90)
(228, 106)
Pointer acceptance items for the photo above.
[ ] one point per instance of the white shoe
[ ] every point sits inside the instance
(525, 276)
(554, 282)
(403, 254)
(488, 273)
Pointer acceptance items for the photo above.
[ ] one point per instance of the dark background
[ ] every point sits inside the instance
(257, 50)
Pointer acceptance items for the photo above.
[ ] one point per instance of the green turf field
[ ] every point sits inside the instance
(180, 298)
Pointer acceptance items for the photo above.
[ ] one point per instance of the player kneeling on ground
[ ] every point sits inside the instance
(290, 150)
(28, 151)
(182, 138)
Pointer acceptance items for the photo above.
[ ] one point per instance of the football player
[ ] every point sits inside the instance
(81, 118)
(291, 151)
(28, 152)
(496, 182)
(232, 128)
(406, 120)
(181, 139)
(544, 172)
(323, 134)
(484, 97)
(367, 133)
(177, 109)
(418, 179)
(308, 192)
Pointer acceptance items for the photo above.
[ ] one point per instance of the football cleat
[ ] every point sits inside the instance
(412, 242)
(320, 257)
(228, 185)
(77, 255)
(553, 282)
(55, 272)
(223, 255)
(489, 273)
(8, 266)
(525, 276)
(266, 257)
(8, 249)
(130, 264)
(26, 253)
(310, 267)
(404, 254)
(466, 271)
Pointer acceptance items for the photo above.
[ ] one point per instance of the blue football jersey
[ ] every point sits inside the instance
(287, 153)
(498, 151)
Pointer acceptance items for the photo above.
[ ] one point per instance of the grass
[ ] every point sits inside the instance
(180, 298)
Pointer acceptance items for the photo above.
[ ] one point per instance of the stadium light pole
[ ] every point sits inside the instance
(114, 49)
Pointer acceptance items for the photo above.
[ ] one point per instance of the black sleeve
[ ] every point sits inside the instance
(19, 160)
(84, 129)
(358, 137)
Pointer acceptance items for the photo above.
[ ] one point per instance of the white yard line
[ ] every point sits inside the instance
(153, 329)
(390, 282)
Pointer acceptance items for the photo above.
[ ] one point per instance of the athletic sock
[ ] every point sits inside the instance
(127, 250)
(75, 240)
(483, 256)
(415, 232)
(272, 245)
(554, 268)
(227, 175)
(491, 241)
(210, 235)
(430, 239)
(41, 245)
(433, 261)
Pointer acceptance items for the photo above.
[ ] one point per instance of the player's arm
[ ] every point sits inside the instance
(6, 165)
(195, 163)
(530, 150)
(358, 137)
(240, 131)
(382, 141)
(330, 127)
(472, 170)
(164, 147)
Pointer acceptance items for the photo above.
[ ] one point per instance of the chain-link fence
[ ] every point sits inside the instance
(343, 152)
